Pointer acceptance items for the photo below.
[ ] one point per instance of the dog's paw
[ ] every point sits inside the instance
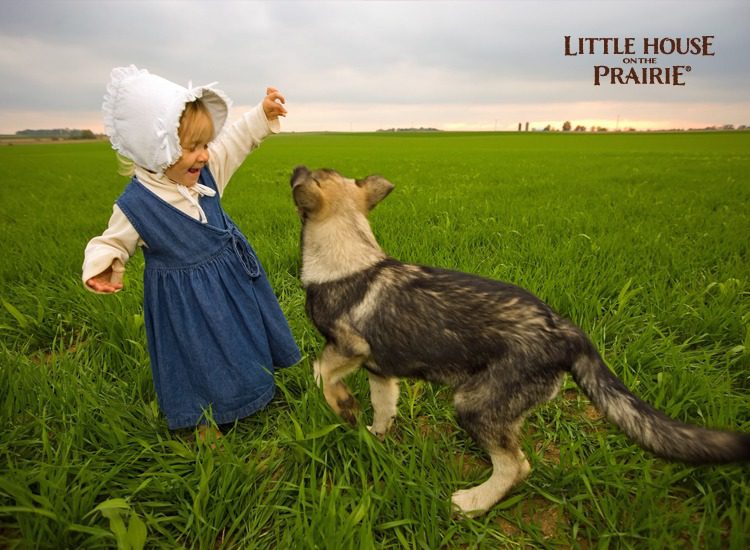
(524, 469)
(380, 427)
(349, 416)
(348, 409)
(317, 376)
(467, 503)
(380, 435)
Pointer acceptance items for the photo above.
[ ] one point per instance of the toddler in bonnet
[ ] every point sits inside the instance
(214, 328)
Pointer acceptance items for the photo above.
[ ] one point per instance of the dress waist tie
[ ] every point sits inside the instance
(245, 254)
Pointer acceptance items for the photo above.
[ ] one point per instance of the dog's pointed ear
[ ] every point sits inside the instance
(307, 196)
(377, 188)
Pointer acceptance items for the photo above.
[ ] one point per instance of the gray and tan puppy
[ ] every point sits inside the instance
(500, 348)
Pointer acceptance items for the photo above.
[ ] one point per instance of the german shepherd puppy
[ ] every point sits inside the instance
(501, 349)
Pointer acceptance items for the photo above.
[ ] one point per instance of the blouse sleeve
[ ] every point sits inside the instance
(113, 248)
(231, 147)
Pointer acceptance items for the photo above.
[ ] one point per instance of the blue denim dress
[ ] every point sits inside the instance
(214, 327)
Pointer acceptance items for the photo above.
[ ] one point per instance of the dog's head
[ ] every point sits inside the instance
(322, 193)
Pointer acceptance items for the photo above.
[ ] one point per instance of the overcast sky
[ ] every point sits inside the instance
(367, 65)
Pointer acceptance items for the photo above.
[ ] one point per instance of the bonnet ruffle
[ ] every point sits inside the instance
(142, 115)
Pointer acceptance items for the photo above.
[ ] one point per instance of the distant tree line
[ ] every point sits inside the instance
(420, 129)
(57, 133)
(568, 126)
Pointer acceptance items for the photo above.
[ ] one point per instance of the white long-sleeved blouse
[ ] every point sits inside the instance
(118, 243)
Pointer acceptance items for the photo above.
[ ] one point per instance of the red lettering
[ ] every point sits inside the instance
(600, 71)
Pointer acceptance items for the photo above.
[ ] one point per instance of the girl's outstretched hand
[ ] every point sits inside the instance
(273, 104)
(103, 282)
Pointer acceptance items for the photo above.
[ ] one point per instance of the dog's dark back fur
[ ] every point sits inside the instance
(413, 335)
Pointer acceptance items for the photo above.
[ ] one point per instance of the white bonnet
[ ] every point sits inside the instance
(142, 115)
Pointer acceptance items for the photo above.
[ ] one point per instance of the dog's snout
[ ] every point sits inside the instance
(299, 172)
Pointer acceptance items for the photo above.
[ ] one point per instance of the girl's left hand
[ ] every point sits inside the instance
(273, 104)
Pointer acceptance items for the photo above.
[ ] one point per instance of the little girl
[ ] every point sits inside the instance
(214, 327)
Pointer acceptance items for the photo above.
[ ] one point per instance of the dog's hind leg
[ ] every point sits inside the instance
(509, 465)
(329, 370)
(384, 396)
(492, 426)
(506, 470)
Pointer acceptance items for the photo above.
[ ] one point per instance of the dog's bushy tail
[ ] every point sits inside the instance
(648, 427)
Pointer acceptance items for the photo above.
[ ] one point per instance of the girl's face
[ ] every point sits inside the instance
(196, 130)
(188, 167)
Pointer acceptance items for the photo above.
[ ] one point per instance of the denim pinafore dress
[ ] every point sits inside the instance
(214, 327)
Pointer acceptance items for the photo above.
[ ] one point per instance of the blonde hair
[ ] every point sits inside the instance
(125, 166)
(196, 126)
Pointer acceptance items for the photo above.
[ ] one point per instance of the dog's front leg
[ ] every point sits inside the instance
(384, 396)
(329, 371)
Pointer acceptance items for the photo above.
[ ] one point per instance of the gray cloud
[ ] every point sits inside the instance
(57, 54)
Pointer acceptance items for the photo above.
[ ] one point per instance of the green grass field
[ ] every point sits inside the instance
(641, 239)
